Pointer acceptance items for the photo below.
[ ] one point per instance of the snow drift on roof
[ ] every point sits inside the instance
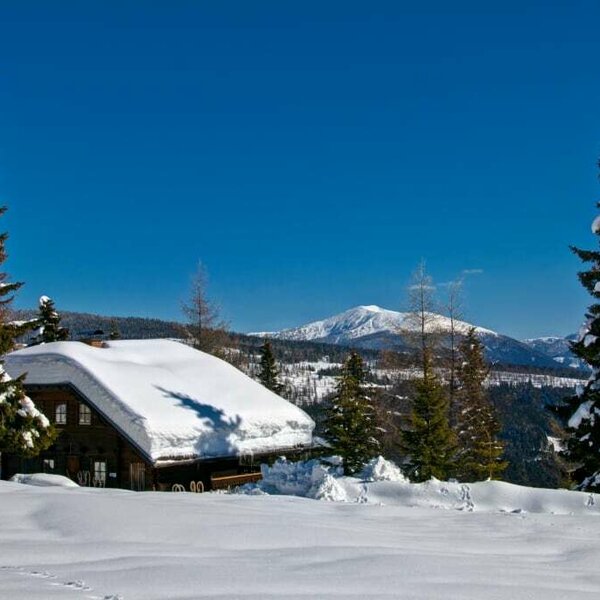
(170, 400)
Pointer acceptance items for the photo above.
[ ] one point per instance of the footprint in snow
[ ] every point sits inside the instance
(42, 574)
(76, 584)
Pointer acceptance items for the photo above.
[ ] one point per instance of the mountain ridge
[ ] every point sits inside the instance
(547, 352)
(373, 327)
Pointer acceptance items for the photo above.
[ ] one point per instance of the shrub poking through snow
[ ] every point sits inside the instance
(24, 429)
(350, 424)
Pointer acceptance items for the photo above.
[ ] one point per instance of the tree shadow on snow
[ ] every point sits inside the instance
(219, 430)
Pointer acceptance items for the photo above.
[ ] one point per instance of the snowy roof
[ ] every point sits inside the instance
(170, 400)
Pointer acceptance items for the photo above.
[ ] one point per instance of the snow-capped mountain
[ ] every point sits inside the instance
(559, 348)
(365, 321)
(378, 328)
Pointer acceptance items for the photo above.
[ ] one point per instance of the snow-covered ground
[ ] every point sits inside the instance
(110, 544)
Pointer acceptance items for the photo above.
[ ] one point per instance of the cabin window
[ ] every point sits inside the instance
(48, 464)
(85, 415)
(61, 414)
(99, 473)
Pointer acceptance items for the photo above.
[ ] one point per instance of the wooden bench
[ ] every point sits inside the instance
(228, 481)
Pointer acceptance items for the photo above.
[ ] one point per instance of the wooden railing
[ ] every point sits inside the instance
(228, 481)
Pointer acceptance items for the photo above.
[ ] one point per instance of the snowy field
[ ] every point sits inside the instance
(78, 543)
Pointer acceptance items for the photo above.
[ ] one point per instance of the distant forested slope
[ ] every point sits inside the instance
(81, 324)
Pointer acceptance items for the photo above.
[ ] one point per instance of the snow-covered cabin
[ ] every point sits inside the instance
(147, 414)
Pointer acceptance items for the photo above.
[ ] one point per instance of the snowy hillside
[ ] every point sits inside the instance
(376, 328)
(308, 382)
(559, 349)
(99, 544)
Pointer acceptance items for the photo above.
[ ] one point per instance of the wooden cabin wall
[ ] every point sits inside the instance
(79, 445)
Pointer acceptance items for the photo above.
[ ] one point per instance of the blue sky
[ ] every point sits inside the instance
(310, 154)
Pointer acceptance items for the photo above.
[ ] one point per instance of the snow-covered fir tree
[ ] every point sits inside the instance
(582, 411)
(115, 333)
(477, 426)
(49, 323)
(269, 373)
(350, 422)
(24, 429)
(430, 442)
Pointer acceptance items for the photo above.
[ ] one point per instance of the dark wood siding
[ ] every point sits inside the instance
(79, 447)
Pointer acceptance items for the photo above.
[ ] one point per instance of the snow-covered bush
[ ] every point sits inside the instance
(311, 479)
(380, 469)
(44, 480)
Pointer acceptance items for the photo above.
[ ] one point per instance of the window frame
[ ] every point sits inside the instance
(99, 467)
(85, 414)
(60, 413)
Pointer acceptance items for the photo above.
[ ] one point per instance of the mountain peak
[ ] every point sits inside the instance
(370, 308)
(374, 327)
(362, 321)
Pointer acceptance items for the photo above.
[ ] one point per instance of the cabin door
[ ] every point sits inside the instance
(137, 476)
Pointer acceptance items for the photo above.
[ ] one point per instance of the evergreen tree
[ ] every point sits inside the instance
(24, 429)
(582, 411)
(430, 442)
(350, 422)
(49, 323)
(477, 426)
(114, 334)
(269, 374)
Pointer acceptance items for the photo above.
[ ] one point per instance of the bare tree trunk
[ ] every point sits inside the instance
(422, 320)
(206, 330)
(454, 312)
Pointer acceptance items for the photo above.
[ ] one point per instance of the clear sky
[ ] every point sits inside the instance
(309, 153)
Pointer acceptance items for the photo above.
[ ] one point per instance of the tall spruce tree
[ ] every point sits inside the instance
(49, 323)
(582, 411)
(24, 430)
(430, 442)
(269, 373)
(477, 427)
(351, 421)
